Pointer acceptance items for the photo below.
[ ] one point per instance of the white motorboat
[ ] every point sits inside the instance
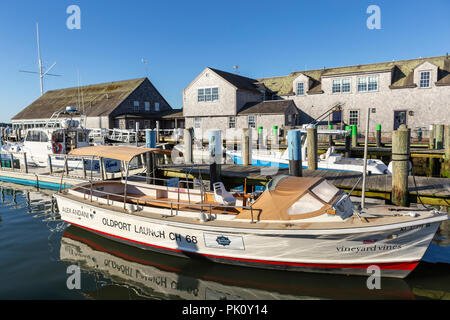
(58, 141)
(330, 160)
(297, 223)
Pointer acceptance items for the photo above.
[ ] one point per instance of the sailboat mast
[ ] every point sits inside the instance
(41, 74)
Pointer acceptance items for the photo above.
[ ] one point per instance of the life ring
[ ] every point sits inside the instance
(57, 147)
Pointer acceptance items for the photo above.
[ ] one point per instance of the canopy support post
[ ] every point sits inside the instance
(125, 189)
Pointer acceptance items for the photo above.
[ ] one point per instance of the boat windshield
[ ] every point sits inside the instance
(306, 204)
(36, 136)
(325, 191)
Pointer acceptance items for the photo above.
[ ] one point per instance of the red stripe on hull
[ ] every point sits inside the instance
(407, 266)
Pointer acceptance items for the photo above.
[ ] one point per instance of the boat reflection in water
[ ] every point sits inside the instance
(157, 276)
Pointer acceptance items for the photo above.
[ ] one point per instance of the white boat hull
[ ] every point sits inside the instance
(396, 249)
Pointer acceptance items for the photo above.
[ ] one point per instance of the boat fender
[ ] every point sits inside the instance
(131, 207)
(57, 147)
(203, 217)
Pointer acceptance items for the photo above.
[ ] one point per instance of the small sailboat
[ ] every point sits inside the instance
(297, 223)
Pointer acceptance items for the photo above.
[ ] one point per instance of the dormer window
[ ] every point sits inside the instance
(300, 88)
(425, 79)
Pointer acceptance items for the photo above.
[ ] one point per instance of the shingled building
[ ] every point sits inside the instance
(109, 105)
(414, 92)
(217, 99)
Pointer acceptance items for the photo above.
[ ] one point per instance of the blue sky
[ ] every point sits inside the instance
(180, 38)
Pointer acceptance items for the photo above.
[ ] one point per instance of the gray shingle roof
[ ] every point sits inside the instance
(266, 107)
(99, 99)
(238, 81)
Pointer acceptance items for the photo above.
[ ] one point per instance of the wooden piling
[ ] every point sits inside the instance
(439, 136)
(431, 137)
(348, 143)
(354, 136)
(295, 153)
(260, 137)
(311, 148)
(246, 136)
(447, 142)
(25, 162)
(445, 171)
(275, 140)
(187, 141)
(330, 137)
(400, 163)
(378, 135)
(157, 132)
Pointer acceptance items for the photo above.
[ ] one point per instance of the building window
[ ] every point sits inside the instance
(147, 124)
(157, 106)
(362, 84)
(131, 124)
(345, 85)
(136, 105)
(336, 86)
(208, 94)
(341, 85)
(215, 94)
(300, 89)
(353, 117)
(201, 95)
(251, 122)
(231, 122)
(373, 83)
(369, 83)
(425, 79)
(147, 106)
(197, 122)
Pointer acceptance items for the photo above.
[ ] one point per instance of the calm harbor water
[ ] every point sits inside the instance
(36, 248)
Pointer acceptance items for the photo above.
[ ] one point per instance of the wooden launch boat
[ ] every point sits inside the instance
(303, 224)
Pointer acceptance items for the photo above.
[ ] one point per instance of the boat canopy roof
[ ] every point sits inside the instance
(292, 198)
(124, 153)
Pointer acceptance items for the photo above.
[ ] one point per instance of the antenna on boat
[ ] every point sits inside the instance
(41, 73)
(366, 140)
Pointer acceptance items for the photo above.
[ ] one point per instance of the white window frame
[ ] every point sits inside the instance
(208, 94)
(157, 106)
(197, 122)
(336, 86)
(200, 95)
(298, 89)
(252, 116)
(231, 122)
(429, 79)
(349, 85)
(147, 106)
(350, 118)
(366, 81)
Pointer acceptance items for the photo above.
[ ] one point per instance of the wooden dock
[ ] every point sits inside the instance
(431, 191)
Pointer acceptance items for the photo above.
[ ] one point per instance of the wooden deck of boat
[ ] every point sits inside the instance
(432, 191)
